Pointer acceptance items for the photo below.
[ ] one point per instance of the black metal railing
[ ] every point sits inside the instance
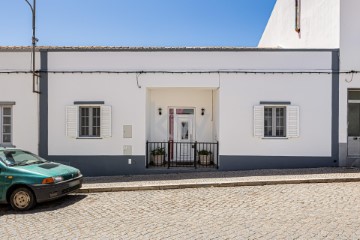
(182, 154)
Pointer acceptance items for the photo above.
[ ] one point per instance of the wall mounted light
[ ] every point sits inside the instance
(160, 110)
(202, 111)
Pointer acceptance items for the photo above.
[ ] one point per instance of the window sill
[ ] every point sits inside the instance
(283, 138)
(7, 145)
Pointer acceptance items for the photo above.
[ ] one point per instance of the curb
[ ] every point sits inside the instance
(209, 185)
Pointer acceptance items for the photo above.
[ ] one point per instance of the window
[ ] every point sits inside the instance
(89, 122)
(276, 121)
(274, 124)
(84, 121)
(6, 124)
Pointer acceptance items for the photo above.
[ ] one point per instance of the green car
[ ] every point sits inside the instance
(27, 179)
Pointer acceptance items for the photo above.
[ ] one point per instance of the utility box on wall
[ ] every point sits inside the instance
(127, 150)
(127, 131)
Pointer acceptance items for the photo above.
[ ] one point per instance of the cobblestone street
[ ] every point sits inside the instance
(304, 211)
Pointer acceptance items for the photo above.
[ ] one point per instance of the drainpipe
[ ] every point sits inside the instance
(34, 40)
(35, 75)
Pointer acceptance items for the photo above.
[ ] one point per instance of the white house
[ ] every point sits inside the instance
(111, 110)
(252, 108)
(303, 24)
(327, 24)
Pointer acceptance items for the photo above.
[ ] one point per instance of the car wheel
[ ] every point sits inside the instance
(22, 199)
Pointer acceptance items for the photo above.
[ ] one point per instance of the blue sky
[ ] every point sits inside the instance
(136, 22)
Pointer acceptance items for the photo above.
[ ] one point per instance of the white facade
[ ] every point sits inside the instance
(228, 99)
(237, 116)
(319, 25)
(139, 87)
(349, 61)
(16, 90)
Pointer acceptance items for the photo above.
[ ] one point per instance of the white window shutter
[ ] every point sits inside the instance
(72, 115)
(105, 121)
(259, 121)
(292, 121)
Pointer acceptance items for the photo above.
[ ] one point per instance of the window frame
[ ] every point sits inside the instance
(90, 126)
(274, 123)
(2, 125)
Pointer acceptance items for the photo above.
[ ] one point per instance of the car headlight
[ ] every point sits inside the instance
(78, 173)
(58, 179)
(52, 180)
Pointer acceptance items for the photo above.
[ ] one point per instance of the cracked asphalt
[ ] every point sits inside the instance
(303, 211)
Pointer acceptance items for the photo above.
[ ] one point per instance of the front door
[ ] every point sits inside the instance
(354, 123)
(182, 129)
(184, 137)
(354, 129)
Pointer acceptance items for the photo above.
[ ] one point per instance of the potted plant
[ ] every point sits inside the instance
(204, 157)
(158, 156)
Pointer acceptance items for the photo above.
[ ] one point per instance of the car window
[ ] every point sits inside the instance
(4, 159)
(19, 157)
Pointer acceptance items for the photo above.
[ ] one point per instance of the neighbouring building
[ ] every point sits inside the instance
(118, 110)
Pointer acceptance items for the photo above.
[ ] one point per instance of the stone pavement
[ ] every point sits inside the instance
(296, 211)
(219, 179)
(264, 208)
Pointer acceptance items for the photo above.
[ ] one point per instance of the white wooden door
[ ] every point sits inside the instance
(184, 136)
(354, 128)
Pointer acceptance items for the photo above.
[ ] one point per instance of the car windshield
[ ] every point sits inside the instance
(19, 158)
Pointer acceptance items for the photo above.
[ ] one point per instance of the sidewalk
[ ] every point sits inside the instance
(218, 179)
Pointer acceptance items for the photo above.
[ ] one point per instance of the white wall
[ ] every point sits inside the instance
(236, 96)
(312, 93)
(120, 92)
(181, 97)
(319, 25)
(18, 88)
(349, 60)
(350, 35)
(239, 93)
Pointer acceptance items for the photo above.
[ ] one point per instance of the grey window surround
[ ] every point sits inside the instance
(275, 103)
(7, 103)
(6, 124)
(89, 102)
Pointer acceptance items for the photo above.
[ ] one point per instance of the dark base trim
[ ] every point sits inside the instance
(118, 165)
(234, 163)
(91, 166)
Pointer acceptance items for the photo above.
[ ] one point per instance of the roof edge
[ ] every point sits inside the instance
(153, 49)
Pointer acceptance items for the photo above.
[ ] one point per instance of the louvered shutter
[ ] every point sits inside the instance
(259, 121)
(292, 121)
(72, 123)
(105, 121)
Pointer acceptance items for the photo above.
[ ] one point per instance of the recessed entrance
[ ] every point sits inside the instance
(181, 126)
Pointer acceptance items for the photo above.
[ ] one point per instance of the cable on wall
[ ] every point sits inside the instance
(182, 72)
(352, 76)
(137, 79)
